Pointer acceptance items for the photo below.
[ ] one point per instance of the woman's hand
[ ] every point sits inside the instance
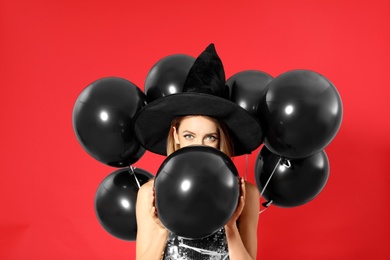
(241, 203)
(241, 230)
(151, 234)
(153, 209)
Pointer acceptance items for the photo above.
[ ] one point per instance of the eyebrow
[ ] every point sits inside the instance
(189, 132)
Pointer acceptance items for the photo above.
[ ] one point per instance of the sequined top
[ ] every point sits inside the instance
(213, 247)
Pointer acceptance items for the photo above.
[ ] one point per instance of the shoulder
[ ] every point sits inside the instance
(252, 200)
(248, 220)
(251, 191)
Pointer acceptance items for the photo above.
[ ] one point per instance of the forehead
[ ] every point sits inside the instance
(198, 123)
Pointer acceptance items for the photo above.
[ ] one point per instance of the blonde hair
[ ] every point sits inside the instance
(225, 142)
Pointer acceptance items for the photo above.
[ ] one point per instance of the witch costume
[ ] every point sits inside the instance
(204, 93)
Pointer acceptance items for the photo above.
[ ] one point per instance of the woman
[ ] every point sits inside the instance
(200, 115)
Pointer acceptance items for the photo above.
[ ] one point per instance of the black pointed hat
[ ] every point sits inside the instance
(204, 93)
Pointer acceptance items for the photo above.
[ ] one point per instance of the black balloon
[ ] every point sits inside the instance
(291, 186)
(247, 89)
(197, 191)
(167, 76)
(302, 111)
(115, 202)
(103, 117)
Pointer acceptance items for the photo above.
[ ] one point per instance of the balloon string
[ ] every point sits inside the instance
(286, 163)
(261, 211)
(266, 205)
(266, 184)
(135, 176)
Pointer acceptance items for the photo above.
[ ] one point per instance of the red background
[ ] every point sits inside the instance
(51, 50)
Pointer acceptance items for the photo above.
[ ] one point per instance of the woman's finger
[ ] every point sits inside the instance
(151, 198)
(243, 190)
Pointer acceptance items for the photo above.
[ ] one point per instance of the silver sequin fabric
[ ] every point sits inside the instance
(213, 247)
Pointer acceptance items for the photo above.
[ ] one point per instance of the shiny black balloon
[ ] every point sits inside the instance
(247, 89)
(197, 191)
(102, 120)
(302, 111)
(293, 186)
(115, 202)
(167, 76)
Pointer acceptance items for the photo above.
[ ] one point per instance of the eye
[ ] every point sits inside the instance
(188, 136)
(211, 138)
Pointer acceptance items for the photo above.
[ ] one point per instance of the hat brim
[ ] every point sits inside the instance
(153, 122)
